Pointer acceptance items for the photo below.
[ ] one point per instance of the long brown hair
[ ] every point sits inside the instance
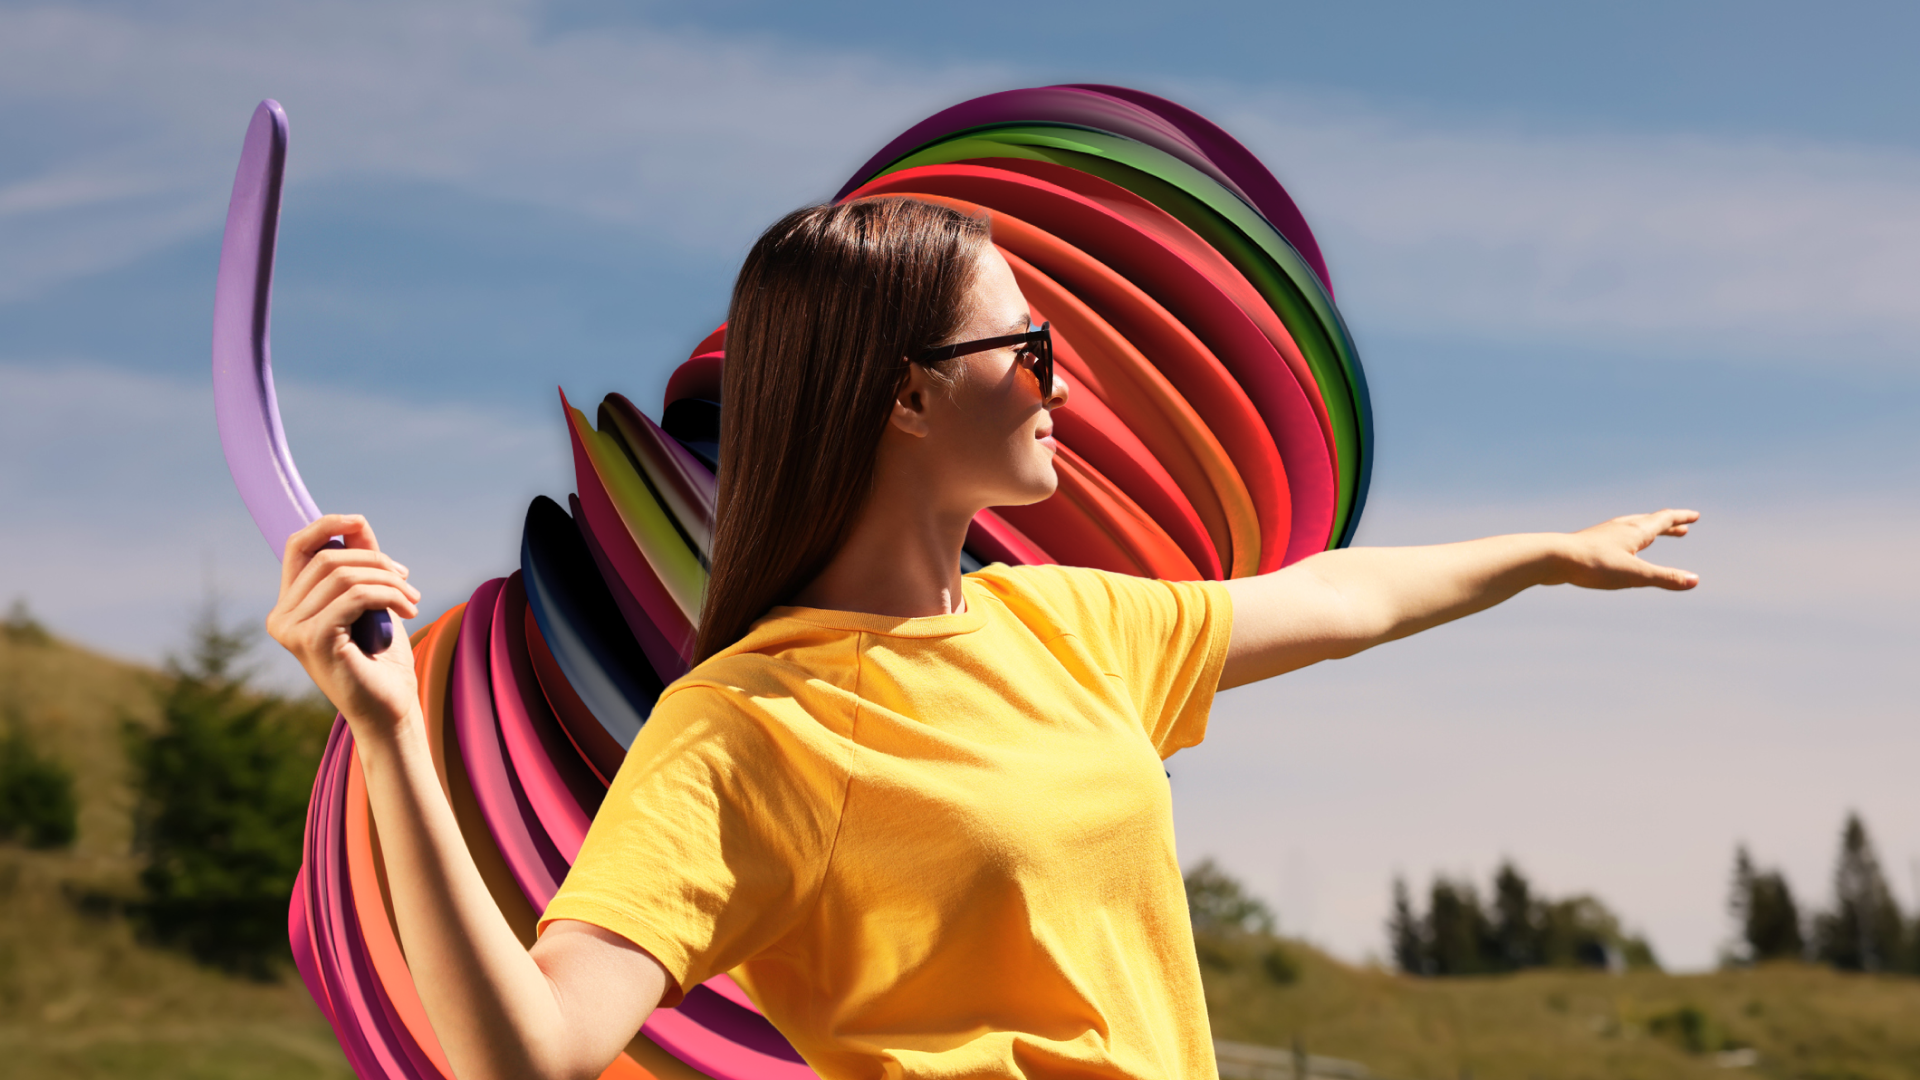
(829, 303)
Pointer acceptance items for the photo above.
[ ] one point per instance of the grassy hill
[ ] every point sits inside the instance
(1791, 1020)
(80, 996)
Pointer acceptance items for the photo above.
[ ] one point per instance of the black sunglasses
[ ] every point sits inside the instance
(1037, 343)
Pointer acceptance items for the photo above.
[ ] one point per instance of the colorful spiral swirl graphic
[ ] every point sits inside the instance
(1219, 427)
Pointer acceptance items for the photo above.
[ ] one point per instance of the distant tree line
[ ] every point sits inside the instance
(1460, 933)
(1865, 929)
(1513, 928)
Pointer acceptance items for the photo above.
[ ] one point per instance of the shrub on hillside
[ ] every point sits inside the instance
(1232, 926)
(1692, 1029)
(222, 784)
(21, 628)
(38, 806)
(1219, 903)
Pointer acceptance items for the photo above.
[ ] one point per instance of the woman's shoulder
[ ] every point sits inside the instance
(745, 711)
(776, 676)
(1096, 603)
(1050, 579)
(1076, 590)
(734, 676)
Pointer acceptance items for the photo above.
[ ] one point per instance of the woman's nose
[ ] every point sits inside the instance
(1060, 391)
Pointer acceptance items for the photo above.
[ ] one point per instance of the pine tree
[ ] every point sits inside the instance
(1516, 921)
(1865, 931)
(1404, 933)
(1763, 907)
(222, 787)
(1457, 929)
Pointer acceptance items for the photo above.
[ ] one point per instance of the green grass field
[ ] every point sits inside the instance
(81, 997)
(1797, 1020)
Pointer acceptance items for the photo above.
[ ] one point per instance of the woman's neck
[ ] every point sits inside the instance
(902, 559)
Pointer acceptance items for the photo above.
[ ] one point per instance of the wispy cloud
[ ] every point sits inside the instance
(121, 516)
(1778, 250)
(1781, 251)
(138, 114)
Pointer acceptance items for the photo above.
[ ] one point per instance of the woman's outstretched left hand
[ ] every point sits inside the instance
(1607, 556)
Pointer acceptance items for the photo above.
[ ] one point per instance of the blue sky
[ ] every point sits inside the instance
(1597, 260)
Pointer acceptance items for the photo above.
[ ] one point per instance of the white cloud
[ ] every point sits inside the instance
(1788, 251)
(694, 138)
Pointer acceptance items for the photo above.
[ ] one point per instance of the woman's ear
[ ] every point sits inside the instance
(910, 402)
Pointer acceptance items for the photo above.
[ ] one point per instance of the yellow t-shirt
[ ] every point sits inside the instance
(936, 847)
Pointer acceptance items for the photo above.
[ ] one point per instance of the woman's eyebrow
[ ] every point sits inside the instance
(1023, 323)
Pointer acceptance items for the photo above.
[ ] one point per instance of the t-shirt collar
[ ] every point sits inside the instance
(926, 626)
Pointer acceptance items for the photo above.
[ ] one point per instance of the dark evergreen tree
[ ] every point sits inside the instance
(1516, 921)
(1913, 945)
(1740, 901)
(222, 786)
(1865, 931)
(1764, 909)
(1458, 934)
(1405, 934)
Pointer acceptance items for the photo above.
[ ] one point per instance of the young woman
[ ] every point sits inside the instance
(922, 816)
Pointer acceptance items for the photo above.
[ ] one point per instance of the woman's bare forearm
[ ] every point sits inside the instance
(491, 1006)
(1394, 592)
(565, 1010)
(1338, 603)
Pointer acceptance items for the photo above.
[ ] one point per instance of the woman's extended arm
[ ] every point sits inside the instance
(1337, 603)
(566, 1009)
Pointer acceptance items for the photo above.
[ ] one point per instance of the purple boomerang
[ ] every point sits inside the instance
(243, 399)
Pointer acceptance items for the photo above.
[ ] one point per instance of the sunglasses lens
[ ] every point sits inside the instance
(1043, 361)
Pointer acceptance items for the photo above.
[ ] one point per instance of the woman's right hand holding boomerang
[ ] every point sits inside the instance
(323, 589)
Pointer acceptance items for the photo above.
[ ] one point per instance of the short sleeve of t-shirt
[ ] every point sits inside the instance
(1164, 641)
(718, 823)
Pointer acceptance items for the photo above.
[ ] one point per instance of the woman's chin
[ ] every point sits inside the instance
(1038, 488)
